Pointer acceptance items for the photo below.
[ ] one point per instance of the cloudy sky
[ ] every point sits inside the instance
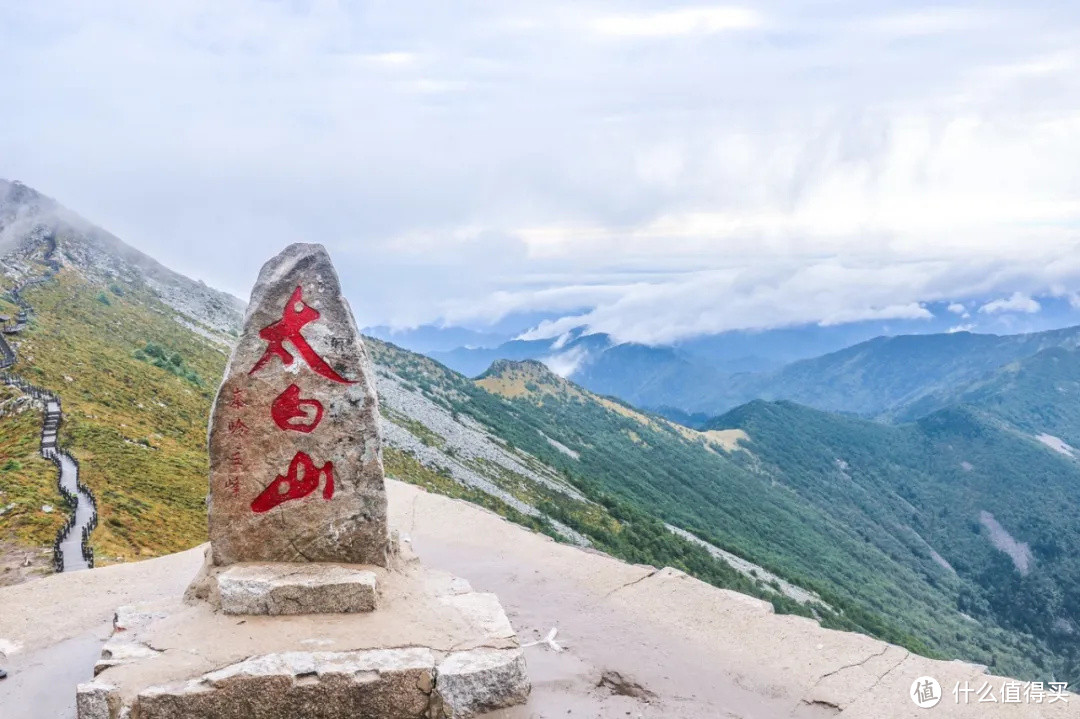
(652, 169)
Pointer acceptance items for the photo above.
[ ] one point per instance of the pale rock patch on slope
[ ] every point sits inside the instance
(561, 447)
(938, 559)
(466, 449)
(1057, 444)
(1019, 552)
(729, 439)
(223, 342)
(749, 569)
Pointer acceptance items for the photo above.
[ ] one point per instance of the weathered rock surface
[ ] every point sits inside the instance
(295, 466)
(482, 680)
(276, 589)
(95, 700)
(384, 683)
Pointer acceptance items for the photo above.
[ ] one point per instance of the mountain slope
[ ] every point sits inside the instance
(794, 496)
(980, 512)
(33, 226)
(1039, 395)
(473, 440)
(134, 351)
(877, 377)
(136, 422)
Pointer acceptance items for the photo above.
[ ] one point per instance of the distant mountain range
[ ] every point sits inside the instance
(885, 376)
(697, 379)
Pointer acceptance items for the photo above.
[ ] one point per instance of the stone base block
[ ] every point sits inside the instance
(481, 680)
(434, 649)
(276, 589)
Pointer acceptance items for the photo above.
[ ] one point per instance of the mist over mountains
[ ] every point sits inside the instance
(813, 364)
(32, 224)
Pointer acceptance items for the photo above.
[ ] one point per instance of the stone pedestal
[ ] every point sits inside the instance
(433, 649)
(275, 589)
(305, 608)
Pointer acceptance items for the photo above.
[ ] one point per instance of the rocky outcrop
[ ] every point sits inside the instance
(295, 456)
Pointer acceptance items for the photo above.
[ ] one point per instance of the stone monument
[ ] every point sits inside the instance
(306, 606)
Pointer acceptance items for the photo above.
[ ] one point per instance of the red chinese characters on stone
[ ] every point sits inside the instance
(232, 482)
(302, 480)
(291, 412)
(238, 401)
(294, 316)
(238, 428)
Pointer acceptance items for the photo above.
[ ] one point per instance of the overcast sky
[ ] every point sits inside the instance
(669, 169)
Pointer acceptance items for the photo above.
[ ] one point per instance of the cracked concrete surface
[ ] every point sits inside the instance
(702, 652)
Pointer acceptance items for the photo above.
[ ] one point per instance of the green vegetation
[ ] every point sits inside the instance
(170, 361)
(1038, 394)
(27, 482)
(667, 473)
(912, 490)
(137, 425)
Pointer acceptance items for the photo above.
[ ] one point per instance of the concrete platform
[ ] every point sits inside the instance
(434, 648)
(276, 589)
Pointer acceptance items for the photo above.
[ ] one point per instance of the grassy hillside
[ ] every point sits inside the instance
(1038, 395)
(617, 525)
(27, 482)
(137, 428)
(935, 497)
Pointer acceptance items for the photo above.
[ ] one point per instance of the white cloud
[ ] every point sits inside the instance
(462, 163)
(392, 59)
(968, 327)
(566, 363)
(676, 23)
(957, 309)
(928, 22)
(1018, 302)
(909, 311)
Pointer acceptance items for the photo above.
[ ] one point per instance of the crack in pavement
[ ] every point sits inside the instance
(630, 584)
(892, 669)
(852, 666)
